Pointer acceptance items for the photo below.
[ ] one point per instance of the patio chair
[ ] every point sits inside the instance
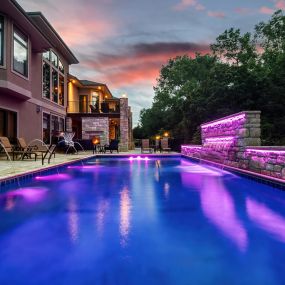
(145, 146)
(114, 145)
(48, 153)
(8, 149)
(68, 140)
(93, 109)
(164, 145)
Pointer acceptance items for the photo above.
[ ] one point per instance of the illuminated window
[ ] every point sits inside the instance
(20, 53)
(46, 80)
(53, 78)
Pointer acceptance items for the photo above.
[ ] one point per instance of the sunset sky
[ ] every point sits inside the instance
(123, 43)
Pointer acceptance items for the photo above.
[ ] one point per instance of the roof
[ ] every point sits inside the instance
(89, 83)
(12, 9)
(46, 28)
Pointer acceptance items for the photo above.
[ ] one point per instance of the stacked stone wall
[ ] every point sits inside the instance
(124, 124)
(235, 141)
(92, 126)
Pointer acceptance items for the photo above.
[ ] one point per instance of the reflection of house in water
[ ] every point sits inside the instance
(94, 111)
(125, 215)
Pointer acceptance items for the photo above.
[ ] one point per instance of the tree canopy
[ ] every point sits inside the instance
(242, 72)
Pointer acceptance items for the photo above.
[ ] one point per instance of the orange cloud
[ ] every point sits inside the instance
(140, 64)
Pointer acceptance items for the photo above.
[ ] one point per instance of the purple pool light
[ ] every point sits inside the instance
(52, 177)
(138, 158)
(191, 146)
(31, 194)
(228, 139)
(266, 152)
(224, 121)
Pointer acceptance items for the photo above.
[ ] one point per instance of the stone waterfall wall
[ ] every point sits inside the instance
(124, 124)
(235, 141)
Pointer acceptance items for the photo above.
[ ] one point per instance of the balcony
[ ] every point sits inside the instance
(110, 107)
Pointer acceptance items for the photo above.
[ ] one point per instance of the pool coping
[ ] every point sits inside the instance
(4, 181)
(264, 179)
(272, 181)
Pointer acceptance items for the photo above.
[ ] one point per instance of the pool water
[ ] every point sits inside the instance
(157, 221)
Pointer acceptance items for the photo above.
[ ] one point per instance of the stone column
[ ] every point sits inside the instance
(124, 124)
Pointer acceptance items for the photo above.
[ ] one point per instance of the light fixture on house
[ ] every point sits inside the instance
(124, 95)
(166, 134)
(157, 137)
(38, 108)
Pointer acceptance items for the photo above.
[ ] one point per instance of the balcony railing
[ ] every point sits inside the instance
(89, 107)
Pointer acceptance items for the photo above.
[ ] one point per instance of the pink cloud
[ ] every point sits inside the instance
(74, 33)
(216, 14)
(242, 10)
(184, 4)
(139, 64)
(280, 4)
(266, 10)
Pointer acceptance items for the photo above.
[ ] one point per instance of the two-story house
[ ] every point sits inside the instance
(34, 64)
(94, 112)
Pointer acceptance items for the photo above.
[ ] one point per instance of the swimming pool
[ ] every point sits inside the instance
(156, 221)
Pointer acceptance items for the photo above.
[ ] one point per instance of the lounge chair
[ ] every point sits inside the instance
(164, 145)
(114, 145)
(48, 153)
(145, 146)
(8, 149)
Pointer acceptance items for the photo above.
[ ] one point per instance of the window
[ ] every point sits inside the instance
(53, 78)
(52, 127)
(61, 125)
(54, 59)
(1, 40)
(46, 55)
(20, 53)
(54, 86)
(46, 80)
(60, 66)
(46, 128)
(61, 90)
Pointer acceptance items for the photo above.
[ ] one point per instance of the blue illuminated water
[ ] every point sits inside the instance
(162, 221)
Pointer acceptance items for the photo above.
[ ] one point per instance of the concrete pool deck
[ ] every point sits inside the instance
(9, 170)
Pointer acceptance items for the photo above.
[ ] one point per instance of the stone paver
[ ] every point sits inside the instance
(17, 167)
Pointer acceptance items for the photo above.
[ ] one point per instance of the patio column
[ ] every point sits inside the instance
(124, 124)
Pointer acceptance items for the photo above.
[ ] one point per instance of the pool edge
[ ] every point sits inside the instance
(268, 180)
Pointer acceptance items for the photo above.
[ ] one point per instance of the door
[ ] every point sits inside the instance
(83, 104)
